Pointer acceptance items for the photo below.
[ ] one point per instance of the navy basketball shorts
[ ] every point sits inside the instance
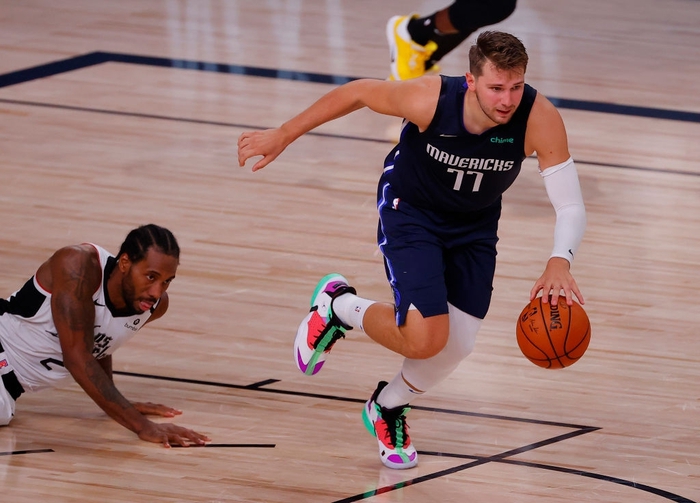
(432, 258)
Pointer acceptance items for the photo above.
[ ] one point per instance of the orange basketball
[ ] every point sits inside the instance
(553, 337)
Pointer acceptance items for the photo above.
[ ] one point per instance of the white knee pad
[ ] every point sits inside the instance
(424, 374)
(463, 329)
(7, 406)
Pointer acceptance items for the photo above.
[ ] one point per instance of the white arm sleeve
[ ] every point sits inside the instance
(564, 191)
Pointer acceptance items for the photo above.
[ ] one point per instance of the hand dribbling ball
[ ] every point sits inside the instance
(553, 337)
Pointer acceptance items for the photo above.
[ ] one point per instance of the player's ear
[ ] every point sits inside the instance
(123, 262)
(471, 80)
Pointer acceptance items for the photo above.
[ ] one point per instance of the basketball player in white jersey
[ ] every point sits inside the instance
(80, 306)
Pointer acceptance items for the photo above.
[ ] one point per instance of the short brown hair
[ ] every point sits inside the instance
(504, 50)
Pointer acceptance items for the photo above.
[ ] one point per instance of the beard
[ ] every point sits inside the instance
(129, 295)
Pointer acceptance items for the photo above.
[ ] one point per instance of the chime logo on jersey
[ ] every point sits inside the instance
(470, 163)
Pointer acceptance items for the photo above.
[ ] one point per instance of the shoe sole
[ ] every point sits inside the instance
(367, 420)
(393, 49)
(313, 366)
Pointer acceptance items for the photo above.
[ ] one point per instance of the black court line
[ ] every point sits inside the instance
(476, 460)
(140, 115)
(99, 57)
(572, 471)
(260, 387)
(32, 451)
(254, 446)
(606, 478)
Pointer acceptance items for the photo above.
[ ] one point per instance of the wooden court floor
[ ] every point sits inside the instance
(117, 114)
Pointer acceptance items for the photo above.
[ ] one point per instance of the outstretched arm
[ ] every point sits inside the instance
(546, 135)
(73, 274)
(414, 99)
(145, 408)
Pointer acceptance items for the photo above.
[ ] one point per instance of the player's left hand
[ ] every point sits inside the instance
(155, 409)
(169, 434)
(555, 279)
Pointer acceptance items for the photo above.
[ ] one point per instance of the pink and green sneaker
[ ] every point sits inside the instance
(321, 328)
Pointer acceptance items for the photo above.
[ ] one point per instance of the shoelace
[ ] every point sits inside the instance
(335, 329)
(396, 423)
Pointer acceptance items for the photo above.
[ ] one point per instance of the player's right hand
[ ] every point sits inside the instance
(268, 143)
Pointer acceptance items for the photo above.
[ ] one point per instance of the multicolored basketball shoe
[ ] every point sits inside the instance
(389, 426)
(408, 59)
(321, 328)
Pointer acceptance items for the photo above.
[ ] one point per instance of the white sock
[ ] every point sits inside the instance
(398, 392)
(351, 309)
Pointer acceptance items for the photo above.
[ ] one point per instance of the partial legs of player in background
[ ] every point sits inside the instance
(418, 43)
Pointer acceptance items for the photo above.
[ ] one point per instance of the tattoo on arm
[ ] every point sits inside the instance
(104, 386)
(79, 284)
(106, 364)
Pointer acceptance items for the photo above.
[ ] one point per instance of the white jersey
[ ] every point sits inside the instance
(30, 339)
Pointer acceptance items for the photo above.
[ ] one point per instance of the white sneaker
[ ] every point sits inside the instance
(321, 328)
(389, 426)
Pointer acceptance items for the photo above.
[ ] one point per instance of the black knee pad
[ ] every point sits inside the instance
(470, 15)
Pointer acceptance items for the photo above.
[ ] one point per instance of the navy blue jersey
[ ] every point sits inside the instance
(446, 168)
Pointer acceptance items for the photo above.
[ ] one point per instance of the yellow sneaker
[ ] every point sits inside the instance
(407, 58)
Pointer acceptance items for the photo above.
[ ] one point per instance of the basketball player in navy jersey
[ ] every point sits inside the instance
(439, 201)
(79, 307)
